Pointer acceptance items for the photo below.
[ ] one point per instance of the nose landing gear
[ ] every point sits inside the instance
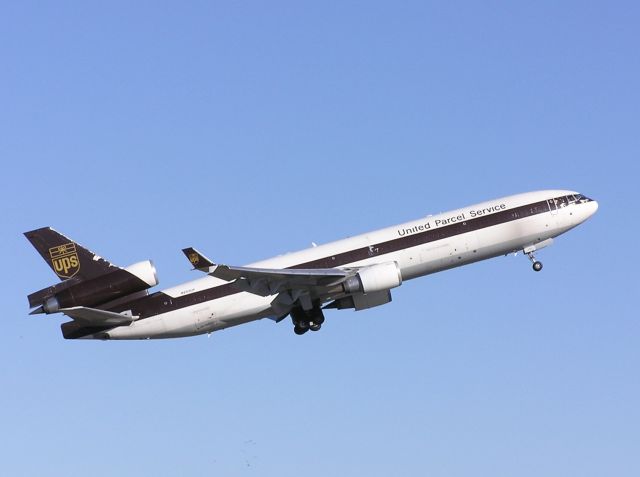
(537, 266)
(540, 244)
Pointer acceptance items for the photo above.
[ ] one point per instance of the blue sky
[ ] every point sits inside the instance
(248, 129)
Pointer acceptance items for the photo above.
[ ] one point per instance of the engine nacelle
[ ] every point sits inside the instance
(374, 278)
(104, 288)
(145, 271)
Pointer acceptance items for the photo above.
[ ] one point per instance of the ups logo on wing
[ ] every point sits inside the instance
(194, 258)
(64, 260)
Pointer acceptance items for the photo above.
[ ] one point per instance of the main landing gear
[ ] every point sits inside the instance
(305, 320)
(537, 266)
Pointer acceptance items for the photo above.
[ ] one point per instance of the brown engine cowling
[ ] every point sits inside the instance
(96, 291)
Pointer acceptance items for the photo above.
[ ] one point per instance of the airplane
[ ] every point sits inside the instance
(108, 302)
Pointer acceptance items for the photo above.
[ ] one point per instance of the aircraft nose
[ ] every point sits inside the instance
(586, 210)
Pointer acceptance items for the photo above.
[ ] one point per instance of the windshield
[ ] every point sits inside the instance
(562, 202)
(578, 199)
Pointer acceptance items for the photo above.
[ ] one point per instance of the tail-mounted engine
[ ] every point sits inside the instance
(111, 285)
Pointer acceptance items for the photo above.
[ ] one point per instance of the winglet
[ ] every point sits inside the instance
(199, 261)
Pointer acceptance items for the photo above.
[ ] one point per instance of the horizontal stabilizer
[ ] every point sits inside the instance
(97, 317)
(199, 261)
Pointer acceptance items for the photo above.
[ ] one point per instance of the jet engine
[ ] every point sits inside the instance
(374, 278)
(104, 288)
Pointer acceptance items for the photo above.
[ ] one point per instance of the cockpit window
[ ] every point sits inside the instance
(578, 199)
(562, 202)
(584, 199)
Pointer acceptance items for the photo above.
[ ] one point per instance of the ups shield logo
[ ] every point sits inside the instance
(194, 258)
(65, 260)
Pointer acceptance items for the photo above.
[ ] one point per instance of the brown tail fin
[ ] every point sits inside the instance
(67, 258)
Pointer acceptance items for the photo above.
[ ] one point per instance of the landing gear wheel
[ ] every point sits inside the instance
(305, 320)
(537, 266)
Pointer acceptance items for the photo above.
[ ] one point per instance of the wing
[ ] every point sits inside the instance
(289, 284)
(357, 287)
(267, 281)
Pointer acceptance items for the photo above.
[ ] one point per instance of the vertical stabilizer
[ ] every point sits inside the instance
(67, 258)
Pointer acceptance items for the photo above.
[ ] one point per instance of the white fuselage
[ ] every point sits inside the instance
(414, 261)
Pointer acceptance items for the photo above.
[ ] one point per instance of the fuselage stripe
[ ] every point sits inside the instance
(160, 302)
